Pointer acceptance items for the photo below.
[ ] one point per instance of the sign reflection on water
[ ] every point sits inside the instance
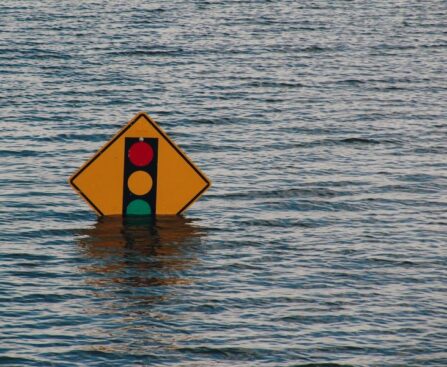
(132, 252)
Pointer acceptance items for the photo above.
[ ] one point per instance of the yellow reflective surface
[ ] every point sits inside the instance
(100, 180)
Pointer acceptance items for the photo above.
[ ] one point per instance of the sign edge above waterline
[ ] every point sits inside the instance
(114, 139)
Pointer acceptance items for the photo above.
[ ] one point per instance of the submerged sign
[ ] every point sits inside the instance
(140, 172)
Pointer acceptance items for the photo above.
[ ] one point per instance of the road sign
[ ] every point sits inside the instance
(140, 172)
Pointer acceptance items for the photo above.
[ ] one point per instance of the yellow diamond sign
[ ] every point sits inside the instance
(141, 171)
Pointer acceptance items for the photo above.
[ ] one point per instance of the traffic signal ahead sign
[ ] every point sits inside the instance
(140, 172)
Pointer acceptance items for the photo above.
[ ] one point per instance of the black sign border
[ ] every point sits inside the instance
(116, 137)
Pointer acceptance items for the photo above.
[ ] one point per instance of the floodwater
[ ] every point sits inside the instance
(322, 241)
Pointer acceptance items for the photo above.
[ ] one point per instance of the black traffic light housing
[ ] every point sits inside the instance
(140, 176)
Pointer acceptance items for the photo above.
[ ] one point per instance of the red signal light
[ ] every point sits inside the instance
(140, 154)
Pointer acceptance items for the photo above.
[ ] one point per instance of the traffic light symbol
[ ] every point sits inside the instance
(140, 176)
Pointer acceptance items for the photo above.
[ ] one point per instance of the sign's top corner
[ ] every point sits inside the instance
(143, 114)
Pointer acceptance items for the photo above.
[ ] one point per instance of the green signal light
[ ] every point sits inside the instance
(138, 207)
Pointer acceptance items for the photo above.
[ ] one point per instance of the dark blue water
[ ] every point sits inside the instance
(323, 126)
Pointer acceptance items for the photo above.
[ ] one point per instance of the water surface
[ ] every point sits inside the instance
(322, 125)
